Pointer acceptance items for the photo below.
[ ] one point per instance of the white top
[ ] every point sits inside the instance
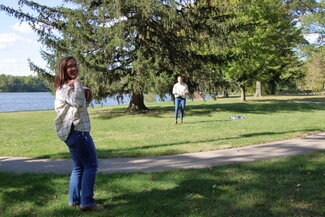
(180, 90)
(70, 106)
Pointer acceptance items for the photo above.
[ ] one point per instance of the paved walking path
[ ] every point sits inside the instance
(183, 161)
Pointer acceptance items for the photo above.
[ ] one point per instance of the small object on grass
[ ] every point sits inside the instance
(237, 117)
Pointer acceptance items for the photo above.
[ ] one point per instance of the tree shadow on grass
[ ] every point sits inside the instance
(138, 151)
(62, 155)
(268, 107)
(290, 187)
(170, 148)
(206, 121)
(313, 99)
(132, 152)
(23, 194)
(111, 113)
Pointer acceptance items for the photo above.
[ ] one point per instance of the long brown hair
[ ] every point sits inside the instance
(62, 75)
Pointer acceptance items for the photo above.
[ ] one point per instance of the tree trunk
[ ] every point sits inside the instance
(172, 96)
(137, 102)
(258, 92)
(243, 93)
(272, 87)
(225, 94)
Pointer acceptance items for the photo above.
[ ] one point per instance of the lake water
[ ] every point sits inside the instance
(12, 102)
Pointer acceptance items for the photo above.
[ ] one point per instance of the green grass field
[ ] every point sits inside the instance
(292, 186)
(118, 133)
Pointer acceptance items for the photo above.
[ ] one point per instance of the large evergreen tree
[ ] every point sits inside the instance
(130, 46)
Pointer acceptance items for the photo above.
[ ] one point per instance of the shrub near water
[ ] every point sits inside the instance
(118, 133)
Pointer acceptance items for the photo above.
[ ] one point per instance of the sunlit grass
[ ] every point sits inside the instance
(119, 133)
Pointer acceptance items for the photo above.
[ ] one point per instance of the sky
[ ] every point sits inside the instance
(18, 42)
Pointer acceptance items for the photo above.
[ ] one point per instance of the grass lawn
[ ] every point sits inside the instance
(292, 186)
(118, 133)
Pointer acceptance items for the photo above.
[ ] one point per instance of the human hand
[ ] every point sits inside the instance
(88, 94)
(71, 82)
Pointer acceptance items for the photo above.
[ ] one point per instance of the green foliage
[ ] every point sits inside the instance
(266, 47)
(311, 15)
(10, 83)
(150, 97)
(315, 71)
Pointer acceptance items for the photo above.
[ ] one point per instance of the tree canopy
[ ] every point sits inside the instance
(140, 46)
(131, 46)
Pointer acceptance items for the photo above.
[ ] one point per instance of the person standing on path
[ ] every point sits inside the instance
(180, 91)
(72, 127)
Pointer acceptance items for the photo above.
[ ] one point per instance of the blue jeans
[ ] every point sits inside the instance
(182, 101)
(85, 163)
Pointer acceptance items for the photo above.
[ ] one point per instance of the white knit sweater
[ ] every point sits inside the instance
(180, 90)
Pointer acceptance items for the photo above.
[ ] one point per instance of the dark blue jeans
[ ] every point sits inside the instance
(85, 163)
(179, 101)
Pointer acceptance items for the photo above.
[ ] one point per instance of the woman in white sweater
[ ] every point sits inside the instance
(73, 126)
(180, 92)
